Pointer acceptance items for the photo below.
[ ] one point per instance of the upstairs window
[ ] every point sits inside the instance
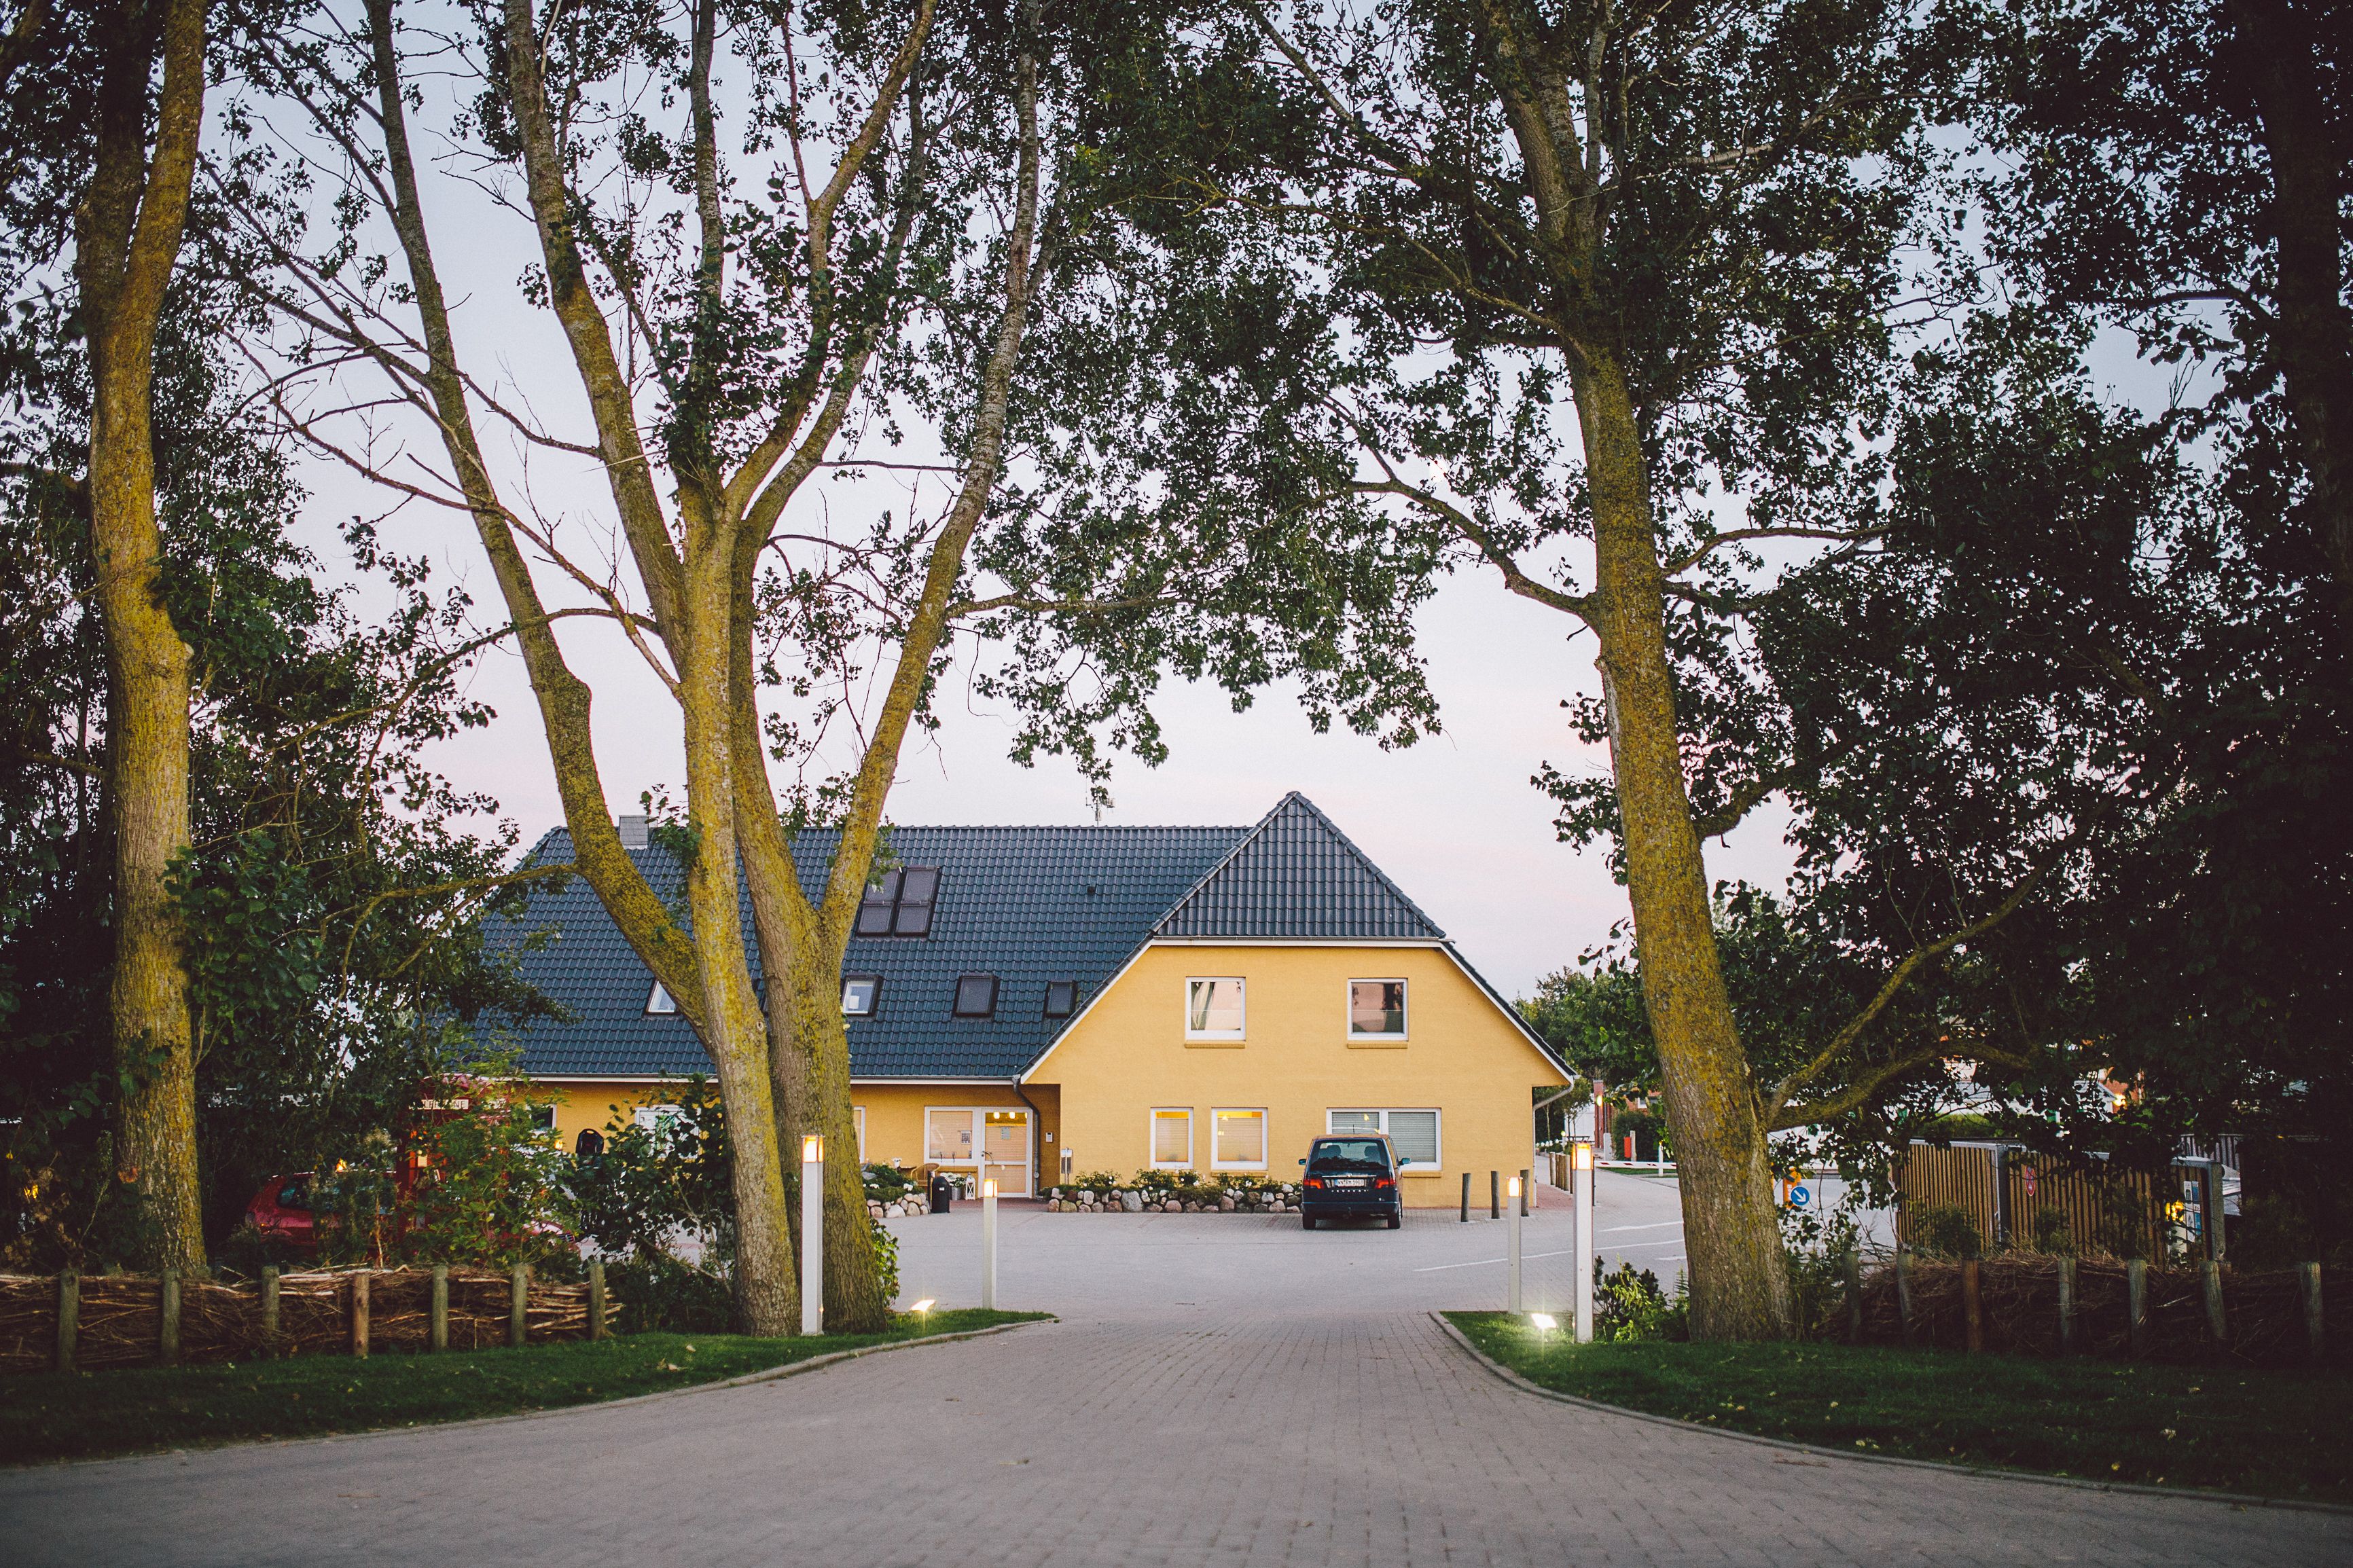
(860, 994)
(1377, 1009)
(899, 903)
(976, 996)
(660, 1002)
(1061, 998)
(1213, 1009)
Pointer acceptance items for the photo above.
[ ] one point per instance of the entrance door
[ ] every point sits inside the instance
(980, 1142)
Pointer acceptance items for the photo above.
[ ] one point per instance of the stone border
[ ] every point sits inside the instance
(1984, 1472)
(766, 1374)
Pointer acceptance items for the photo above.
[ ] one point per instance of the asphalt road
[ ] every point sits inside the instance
(1220, 1390)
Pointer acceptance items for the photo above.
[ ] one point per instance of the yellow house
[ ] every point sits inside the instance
(1047, 1002)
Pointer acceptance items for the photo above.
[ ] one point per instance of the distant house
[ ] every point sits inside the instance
(1054, 1001)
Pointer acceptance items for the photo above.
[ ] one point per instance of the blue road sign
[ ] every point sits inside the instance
(1799, 1197)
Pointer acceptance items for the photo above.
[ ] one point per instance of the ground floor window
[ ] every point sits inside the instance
(1237, 1139)
(1172, 1139)
(991, 1144)
(1415, 1133)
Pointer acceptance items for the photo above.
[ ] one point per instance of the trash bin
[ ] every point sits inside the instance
(943, 1190)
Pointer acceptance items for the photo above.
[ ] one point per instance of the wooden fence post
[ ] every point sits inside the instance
(596, 1298)
(2308, 1276)
(1972, 1304)
(2066, 1306)
(2209, 1276)
(269, 1311)
(438, 1337)
(1853, 1297)
(167, 1315)
(359, 1287)
(518, 1298)
(69, 1316)
(1904, 1291)
(2136, 1306)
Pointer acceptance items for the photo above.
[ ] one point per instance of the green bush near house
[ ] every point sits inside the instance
(886, 1184)
(1945, 1230)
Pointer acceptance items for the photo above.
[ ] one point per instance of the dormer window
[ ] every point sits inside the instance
(659, 1003)
(1061, 998)
(860, 994)
(899, 903)
(976, 996)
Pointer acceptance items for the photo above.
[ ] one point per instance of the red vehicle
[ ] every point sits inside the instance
(281, 1212)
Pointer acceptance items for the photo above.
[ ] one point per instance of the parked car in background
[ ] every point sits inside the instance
(1348, 1177)
(281, 1212)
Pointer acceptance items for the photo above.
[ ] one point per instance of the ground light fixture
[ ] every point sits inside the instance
(925, 1305)
(1512, 1247)
(1544, 1322)
(1581, 1202)
(812, 1234)
(988, 1245)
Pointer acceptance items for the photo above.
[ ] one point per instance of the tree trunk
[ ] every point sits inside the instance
(2312, 342)
(1739, 1281)
(128, 233)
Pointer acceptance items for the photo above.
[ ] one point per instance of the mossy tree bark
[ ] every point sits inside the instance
(126, 240)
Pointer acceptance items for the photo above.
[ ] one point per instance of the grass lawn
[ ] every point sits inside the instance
(2278, 1434)
(77, 1415)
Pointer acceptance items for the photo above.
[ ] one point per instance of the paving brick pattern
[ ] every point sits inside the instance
(1220, 1391)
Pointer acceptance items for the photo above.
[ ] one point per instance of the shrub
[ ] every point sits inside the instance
(1631, 1306)
(1945, 1230)
(658, 1291)
(2051, 1233)
(886, 1184)
(886, 1259)
(1093, 1182)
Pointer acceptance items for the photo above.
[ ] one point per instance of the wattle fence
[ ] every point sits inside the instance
(88, 1322)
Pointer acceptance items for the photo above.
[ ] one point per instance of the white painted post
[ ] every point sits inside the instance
(1582, 1158)
(812, 1234)
(989, 1246)
(1512, 1248)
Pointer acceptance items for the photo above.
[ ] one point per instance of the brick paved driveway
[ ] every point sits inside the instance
(1220, 1391)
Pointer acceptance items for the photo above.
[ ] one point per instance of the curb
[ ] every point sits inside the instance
(1983, 1472)
(766, 1374)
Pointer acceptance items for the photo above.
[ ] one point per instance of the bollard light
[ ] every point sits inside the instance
(812, 1234)
(988, 1244)
(1581, 1206)
(1512, 1249)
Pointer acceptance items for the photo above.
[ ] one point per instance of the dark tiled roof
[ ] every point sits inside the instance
(1026, 904)
(1299, 877)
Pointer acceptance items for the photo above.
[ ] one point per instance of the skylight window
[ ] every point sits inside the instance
(976, 996)
(860, 994)
(899, 903)
(660, 1002)
(1061, 998)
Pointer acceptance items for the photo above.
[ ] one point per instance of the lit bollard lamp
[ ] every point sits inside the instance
(812, 1234)
(1581, 1202)
(1512, 1248)
(989, 1246)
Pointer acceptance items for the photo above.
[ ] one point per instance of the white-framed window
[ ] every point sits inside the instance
(660, 1002)
(860, 994)
(1376, 1010)
(1213, 1008)
(1172, 1137)
(653, 1118)
(1237, 1139)
(857, 1117)
(1413, 1132)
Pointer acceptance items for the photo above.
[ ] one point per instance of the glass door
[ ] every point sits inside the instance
(1005, 1135)
(972, 1141)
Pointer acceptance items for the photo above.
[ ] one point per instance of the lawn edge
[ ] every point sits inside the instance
(742, 1380)
(1988, 1472)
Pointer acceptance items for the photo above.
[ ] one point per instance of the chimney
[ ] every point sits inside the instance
(633, 831)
